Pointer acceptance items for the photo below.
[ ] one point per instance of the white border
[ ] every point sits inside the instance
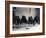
(29, 6)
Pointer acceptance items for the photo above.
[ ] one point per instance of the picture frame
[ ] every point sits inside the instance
(8, 7)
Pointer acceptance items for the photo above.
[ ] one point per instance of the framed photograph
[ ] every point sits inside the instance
(24, 18)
